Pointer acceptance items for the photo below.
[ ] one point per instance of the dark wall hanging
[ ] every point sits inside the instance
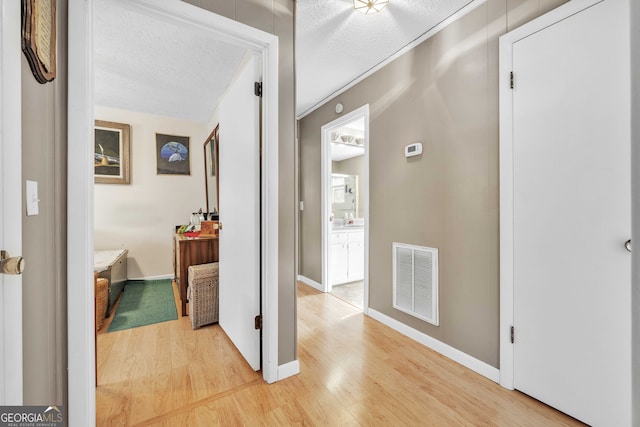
(172, 155)
(39, 37)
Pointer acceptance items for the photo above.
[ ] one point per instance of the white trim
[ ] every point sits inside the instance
(367, 197)
(270, 217)
(160, 277)
(80, 312)
(288, 370)
(506, 175)
(325, 183)
(325, 205)
(425, 36)
(80, 184)
(312, 283)
(11, 364)
(178, 13)
(446, 350)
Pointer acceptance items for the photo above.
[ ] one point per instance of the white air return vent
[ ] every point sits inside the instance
(415, 281)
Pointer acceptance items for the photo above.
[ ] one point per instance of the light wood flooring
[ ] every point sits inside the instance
(354, 372)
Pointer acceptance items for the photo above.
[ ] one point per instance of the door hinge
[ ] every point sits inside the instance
(511, 79)
(513, 334)
(257, 88)
(258, 321)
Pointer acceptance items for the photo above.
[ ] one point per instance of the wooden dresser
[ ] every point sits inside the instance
(191, 251)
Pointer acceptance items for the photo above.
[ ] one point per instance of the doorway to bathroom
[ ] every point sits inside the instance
(345, 203)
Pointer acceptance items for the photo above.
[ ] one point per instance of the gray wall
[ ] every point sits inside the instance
(277, 17)
(443, 93)
(44, 148)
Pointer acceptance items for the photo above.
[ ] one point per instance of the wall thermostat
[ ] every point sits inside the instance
(413, 149)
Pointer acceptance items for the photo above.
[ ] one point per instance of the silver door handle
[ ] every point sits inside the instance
(627, 245)
(11, 265)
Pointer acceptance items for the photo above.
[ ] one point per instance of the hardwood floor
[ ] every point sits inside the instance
(354, 371)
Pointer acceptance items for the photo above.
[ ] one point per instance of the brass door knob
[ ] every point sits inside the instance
(219, 226)
(11, 265)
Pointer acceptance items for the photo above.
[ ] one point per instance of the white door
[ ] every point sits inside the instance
(572, 201)
(10, 203)
(239, 167)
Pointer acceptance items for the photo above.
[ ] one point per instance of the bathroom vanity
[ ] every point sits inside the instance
(347, 255)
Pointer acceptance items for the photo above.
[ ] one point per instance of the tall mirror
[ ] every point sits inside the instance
(211, 171)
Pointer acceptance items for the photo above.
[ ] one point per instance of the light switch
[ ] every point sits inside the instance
(32, 198)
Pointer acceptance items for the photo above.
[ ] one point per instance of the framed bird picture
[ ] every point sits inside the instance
(172, 155)
(111, 155)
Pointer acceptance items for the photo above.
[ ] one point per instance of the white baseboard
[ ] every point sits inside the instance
(288, 370)
(311, 283)
(161, 277)
(446, 350)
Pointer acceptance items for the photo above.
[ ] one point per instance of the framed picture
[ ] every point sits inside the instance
(172, 155)
(111, 158)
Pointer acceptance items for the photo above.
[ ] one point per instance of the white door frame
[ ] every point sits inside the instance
(507, 176)
(11, 386)
(80, 185)
(325, 194)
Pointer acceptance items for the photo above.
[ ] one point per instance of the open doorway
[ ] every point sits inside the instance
(345, 202)
(199, 80)
(80, 188)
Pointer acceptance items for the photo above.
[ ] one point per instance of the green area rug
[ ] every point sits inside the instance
(144, 302)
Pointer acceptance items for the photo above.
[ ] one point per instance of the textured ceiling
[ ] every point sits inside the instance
(149, 66)
(336, 44)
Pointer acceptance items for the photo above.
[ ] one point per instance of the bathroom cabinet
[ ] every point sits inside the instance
(347, 256)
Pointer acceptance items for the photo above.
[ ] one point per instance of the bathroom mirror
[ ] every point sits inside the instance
(344, 196)
(211, 171)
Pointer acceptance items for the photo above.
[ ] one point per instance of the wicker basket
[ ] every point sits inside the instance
(203, 294)
(102, 296)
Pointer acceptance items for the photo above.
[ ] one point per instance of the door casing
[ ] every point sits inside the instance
(81, 387)
(11, 365)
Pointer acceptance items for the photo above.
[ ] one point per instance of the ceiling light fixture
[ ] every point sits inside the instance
(369, 6)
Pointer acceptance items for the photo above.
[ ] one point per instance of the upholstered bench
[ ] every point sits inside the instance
(203, 294)
(112, 265)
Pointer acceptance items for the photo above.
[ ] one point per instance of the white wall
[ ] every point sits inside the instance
(142, 216)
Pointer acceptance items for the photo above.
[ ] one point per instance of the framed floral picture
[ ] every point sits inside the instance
(172, 155)
(111, 158)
